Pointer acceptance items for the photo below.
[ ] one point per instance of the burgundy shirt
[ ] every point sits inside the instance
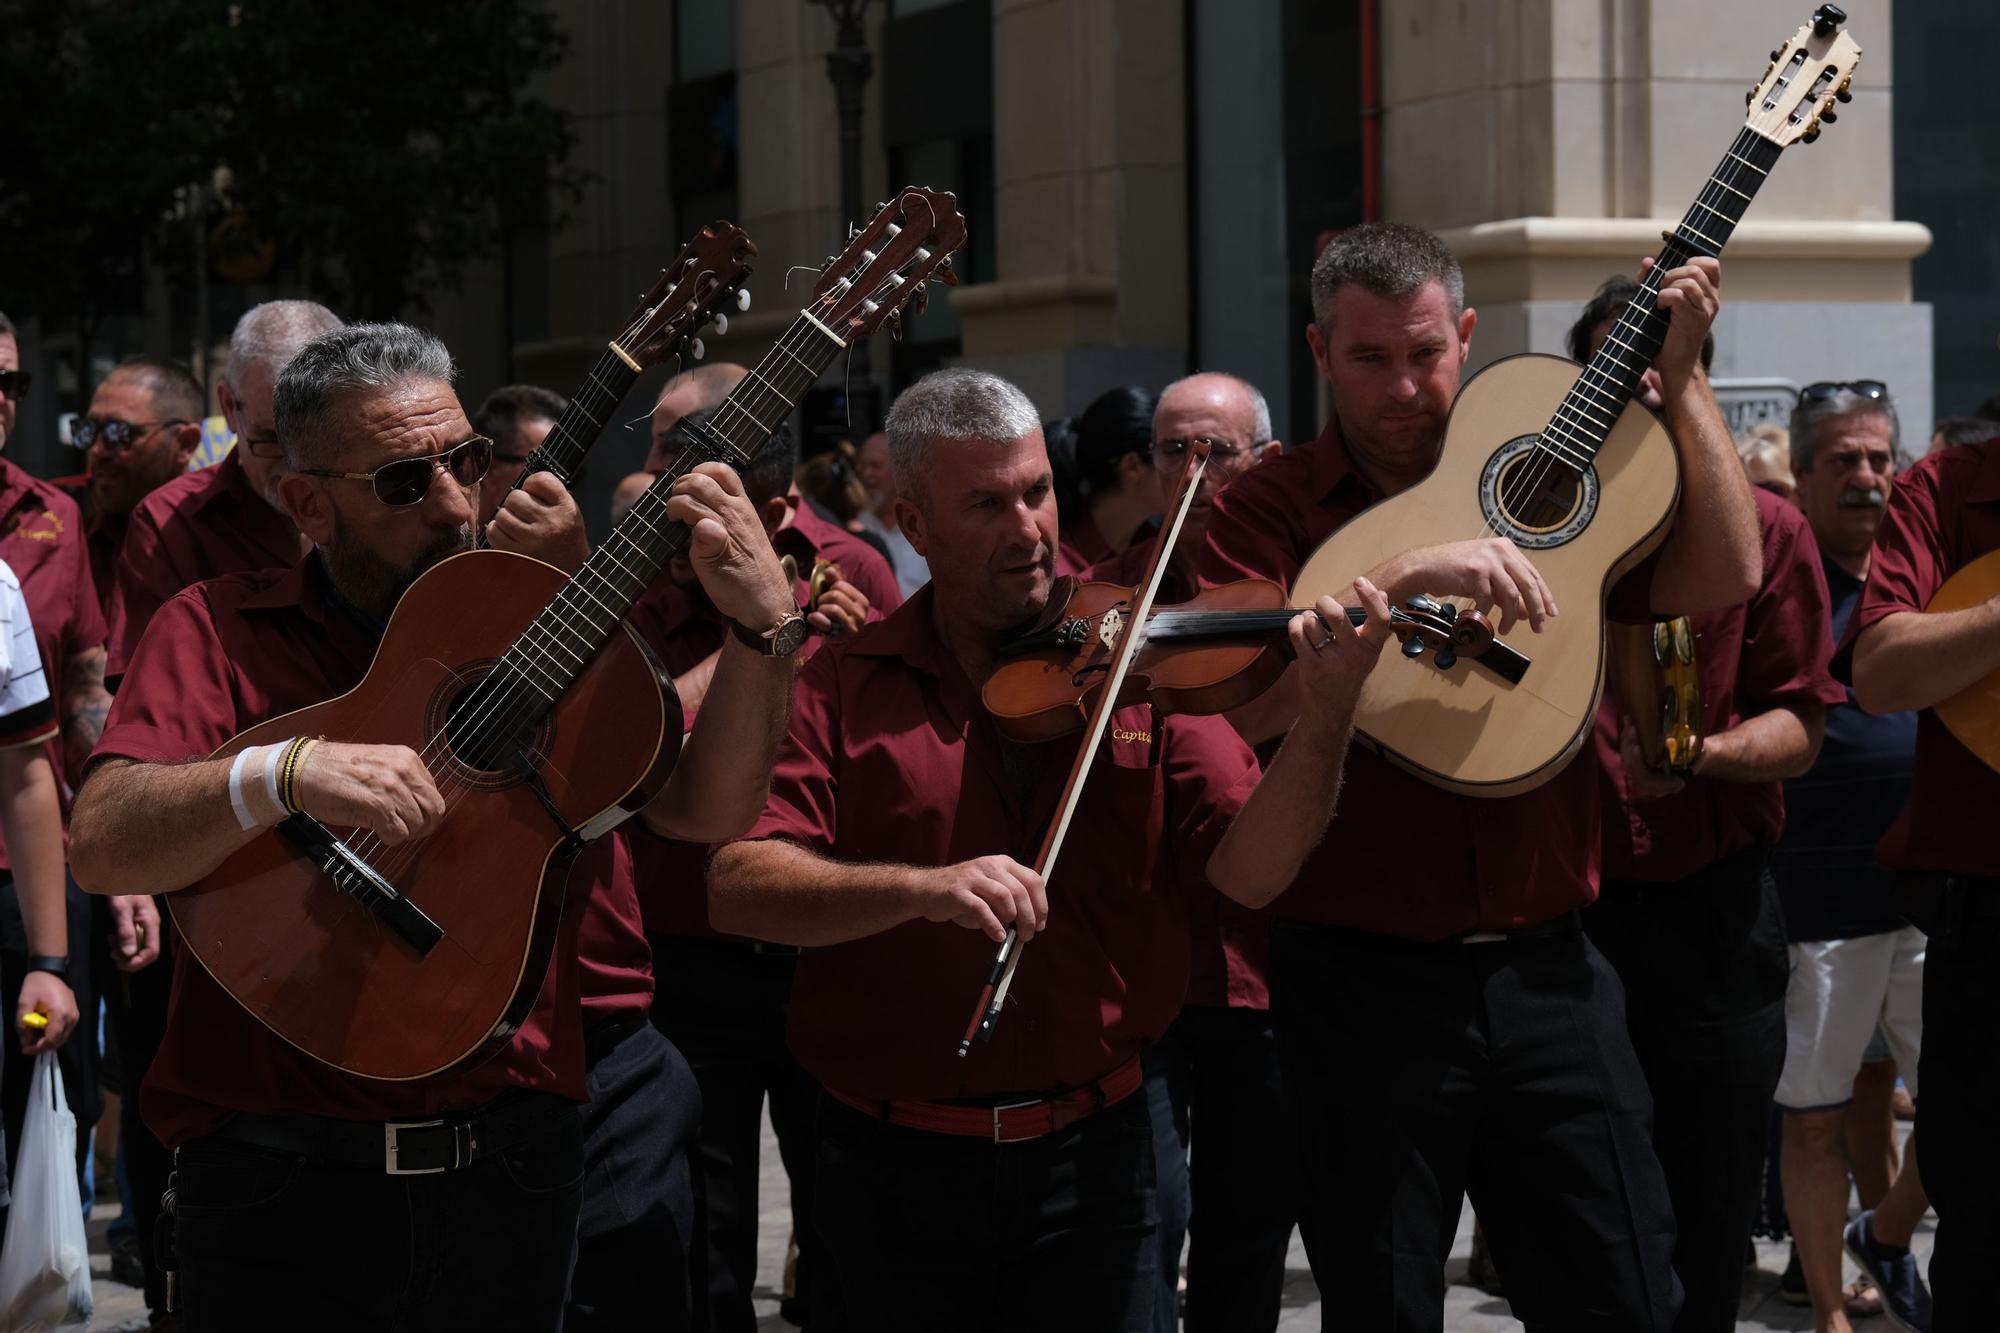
(1081, 547)
(42, 540)
(225, 655)
(1229, 944)
(890, 758)
(1402, 857)
(1943, 514)
(200, 525)
(683, 628)
(1770, 652)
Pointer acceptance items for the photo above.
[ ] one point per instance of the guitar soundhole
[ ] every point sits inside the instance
(1534, 500)
(483, 735)
(1538, 495)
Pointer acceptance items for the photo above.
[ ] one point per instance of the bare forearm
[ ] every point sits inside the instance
(724, 772)
(1286, 816)
(1769, 747)
(1918, 660)
(85, 705)
(1271, 713)
(31, 820)
(692, 685)
(778, 891)
(1715, 556)
(152, 828)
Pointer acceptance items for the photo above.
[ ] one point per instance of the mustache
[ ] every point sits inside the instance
(1872, 498)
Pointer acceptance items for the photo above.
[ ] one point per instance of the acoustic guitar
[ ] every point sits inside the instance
(1973, 715)
(545, 722)
(1572, 469)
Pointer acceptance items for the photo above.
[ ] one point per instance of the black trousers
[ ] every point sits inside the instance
(722, 1004)
(1216, 1070)
(635, 1242)
(77, 1057)
(1704, 964)
(135, 1014)
(920, 1232)
(268, 1239)
(1961, 1087)
(1503, 1071)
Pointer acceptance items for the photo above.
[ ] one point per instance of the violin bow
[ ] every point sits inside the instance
(993, 995)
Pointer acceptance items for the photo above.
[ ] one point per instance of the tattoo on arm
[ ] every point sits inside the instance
(85, 704)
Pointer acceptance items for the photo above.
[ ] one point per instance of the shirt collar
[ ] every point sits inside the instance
(1331, 467)
(908, 632)
(301, 585)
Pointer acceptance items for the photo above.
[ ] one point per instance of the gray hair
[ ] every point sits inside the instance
(1807, 418)
(356, 359)
(1260, 411)
(1389, 259)
(271, 334)
(956, 404)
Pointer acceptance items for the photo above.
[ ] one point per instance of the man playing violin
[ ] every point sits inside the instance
(286, 1180)
(1433, 937)
(1012, 1189)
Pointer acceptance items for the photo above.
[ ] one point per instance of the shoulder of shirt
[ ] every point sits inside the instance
(1782, 520)
(230, 592)
(200, 484)
(57, 500)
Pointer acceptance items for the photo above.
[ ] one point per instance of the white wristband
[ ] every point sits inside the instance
(253, 786)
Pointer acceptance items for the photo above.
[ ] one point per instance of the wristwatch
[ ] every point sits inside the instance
(48, 962)
(781, 640)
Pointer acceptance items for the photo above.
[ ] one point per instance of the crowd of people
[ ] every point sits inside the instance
(1279, 981)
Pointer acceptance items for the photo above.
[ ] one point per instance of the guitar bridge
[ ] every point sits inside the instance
(359, 881)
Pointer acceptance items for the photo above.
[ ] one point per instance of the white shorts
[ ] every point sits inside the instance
(1840, 992)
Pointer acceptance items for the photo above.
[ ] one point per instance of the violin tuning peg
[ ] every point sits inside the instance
(742, 298)
(1413, 646)
(721, 324)
(1445, 658)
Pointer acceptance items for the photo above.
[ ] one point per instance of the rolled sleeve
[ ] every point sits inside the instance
(802, 806)
(176, 703)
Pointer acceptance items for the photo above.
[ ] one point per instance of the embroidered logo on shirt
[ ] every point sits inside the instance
(46, 526)
(1143, 737)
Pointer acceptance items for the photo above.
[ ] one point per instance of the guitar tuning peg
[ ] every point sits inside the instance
(1811, 133)
(1843, 95)
(1776, 51)
(1749, 97)
(1827, 116)
(894, 321)
(721, 324)
(921, 298)
(696, 350)
(742, 298)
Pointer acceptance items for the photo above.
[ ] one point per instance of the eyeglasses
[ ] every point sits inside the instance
(1169, 454)
(14, 384)
(1823, 390)
(116, 436)
(267, 447)
(408, 480)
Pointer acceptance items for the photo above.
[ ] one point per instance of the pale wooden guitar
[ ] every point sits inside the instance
(1973, 715)
(1573, 470)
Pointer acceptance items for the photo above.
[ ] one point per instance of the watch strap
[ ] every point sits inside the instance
(764, 641)
(48, 962)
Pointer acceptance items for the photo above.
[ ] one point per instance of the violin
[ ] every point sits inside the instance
(1218, 650)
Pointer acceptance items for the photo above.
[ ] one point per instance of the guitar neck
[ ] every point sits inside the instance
(562, 453)
(563, 639)
(1611, 379)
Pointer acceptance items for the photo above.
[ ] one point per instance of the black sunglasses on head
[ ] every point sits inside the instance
(14, 383)
(408, 480)
(1821, 390)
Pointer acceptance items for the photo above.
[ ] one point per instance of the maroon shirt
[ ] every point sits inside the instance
(890, 758)
(1402, 857)
(1770, 652)
(1081, 547)
(1229, 944)
(683, 628)
(200, 525)
(42, 540)
(1943, 514)
(225, 655)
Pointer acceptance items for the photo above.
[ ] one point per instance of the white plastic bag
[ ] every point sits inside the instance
(44, 1262)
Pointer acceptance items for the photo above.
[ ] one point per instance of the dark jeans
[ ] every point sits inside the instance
(1217, 1069)
(723, 1005)
(920, 1232)
(1961, 1086)
(1502, 1071)
(1704, 965)
(135, 1013)
(635, 1237)
(268, 1240)
(77, 1057)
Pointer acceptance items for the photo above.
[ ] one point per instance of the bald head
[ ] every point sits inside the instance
(1216, 397)
(701, 389)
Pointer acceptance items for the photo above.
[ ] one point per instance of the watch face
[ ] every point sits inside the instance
(788, 637)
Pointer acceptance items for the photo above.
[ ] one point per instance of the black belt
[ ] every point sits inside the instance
(603, 1039)
(1561, 927)
(407, 1148)
(726, 943)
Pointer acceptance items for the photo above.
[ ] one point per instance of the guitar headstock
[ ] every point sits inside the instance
(887, 263)
(1808, 74)
(701, 286)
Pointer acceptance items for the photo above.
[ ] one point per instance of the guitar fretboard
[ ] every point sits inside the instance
(1611, 379)
(583, 420)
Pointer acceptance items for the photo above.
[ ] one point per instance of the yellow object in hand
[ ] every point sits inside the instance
(35, 1019)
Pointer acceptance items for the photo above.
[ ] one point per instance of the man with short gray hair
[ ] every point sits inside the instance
(383, 471)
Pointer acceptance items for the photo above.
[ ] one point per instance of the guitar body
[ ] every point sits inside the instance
(319, 968)
(1973, 715)
(1466, 728)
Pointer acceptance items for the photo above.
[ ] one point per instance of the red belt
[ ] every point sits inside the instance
(1012, 1121)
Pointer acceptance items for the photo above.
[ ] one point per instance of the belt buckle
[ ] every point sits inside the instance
(390, 1148)
(1483, 937)
(1013, 1106)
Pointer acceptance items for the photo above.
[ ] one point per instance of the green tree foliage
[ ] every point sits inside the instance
(377, 147)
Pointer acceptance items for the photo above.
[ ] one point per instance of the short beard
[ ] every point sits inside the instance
(373, 586)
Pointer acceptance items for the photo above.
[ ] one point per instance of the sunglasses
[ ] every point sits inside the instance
(408, 480)
(1822, 390)
(14, 384)
(116, 436)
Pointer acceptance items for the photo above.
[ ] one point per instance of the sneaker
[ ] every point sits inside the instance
(1906, 1301)
(1792, 1286)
